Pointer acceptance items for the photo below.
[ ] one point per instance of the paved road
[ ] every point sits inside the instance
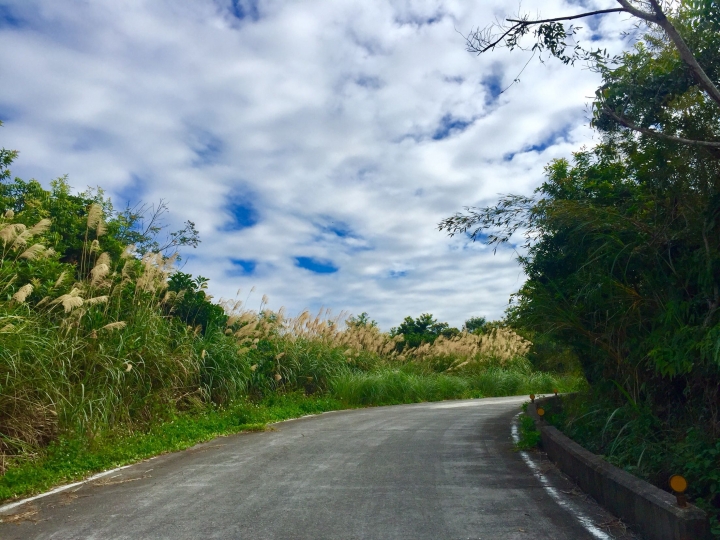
(430, 471)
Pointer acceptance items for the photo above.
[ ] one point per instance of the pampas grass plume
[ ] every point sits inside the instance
(94, 216)
(22, 293)
(32, 252)
(118, 325)
(40, 227)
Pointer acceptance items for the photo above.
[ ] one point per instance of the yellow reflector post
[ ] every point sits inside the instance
(678, 483)
(540, 411)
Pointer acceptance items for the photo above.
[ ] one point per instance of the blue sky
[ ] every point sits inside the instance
(316, 144)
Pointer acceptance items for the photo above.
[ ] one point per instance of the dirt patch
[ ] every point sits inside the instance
(28, 514)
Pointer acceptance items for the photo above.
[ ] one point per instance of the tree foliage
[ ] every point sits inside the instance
(475, 325)
(422, 329)
(363, 320)
(193, 305)
(75, 246)
(623, 242)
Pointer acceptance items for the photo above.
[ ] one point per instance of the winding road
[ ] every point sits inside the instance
(430, 471)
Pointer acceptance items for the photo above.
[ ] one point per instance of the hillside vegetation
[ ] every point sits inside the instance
(623, 250)
(109, 354)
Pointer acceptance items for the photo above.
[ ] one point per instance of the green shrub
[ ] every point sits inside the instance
(529, 436)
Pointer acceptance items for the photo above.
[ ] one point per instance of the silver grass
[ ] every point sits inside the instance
(40, 227)
(32, 252)
(94, 216)
(22, 293)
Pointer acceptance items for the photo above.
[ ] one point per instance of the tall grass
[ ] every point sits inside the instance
(387, 387)
(94, 345)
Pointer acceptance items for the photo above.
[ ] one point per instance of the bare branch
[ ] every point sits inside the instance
(568, 18)
(652, 133)
(657, 8)
(485, 41)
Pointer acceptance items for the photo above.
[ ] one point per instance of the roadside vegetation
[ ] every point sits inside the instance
(109, 354)
(623, 244)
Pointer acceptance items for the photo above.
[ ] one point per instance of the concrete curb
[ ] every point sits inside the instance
(654, 511)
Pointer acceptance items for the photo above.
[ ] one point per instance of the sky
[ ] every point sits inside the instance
(315, 144)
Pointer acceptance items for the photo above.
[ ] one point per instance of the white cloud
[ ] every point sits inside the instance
(320, 115)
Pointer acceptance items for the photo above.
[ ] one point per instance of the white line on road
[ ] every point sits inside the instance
(10, 506)
(565, 503)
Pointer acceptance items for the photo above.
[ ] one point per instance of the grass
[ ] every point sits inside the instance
(395, 386)
(529, 437)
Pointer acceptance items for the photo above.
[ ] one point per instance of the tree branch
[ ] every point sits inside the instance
(651, 132)
(476, 35)
(639, 13)
(657, 17)
(568, 18)
(520, 23)
(686, 54)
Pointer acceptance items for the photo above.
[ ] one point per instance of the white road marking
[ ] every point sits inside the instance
(565, 503)
(5, 508)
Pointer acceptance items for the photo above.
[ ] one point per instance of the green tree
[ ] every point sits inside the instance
(423, 329)
(141, 226)
(475, 325)
(193, 305)
(6, 159)
(623, 243)
(361, 320)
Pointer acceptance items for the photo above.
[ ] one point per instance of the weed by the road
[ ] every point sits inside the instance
(529, 437)
(75, 455)
(391, 387)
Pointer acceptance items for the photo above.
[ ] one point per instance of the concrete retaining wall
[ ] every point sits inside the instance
(654, 511)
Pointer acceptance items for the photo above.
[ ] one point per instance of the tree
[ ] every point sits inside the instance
(193, 305)
(141, 226)
(361, 320)
(423, 329)
(6, 159)
(686, 32)
(623, 242)
(475, 325)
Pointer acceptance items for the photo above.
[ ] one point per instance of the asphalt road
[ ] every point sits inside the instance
(430, 471)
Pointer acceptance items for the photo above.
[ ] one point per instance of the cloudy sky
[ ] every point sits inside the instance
(316, 144)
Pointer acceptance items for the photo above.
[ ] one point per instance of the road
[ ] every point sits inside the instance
(430, 471)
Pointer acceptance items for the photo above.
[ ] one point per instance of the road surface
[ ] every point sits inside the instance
(430, 471)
